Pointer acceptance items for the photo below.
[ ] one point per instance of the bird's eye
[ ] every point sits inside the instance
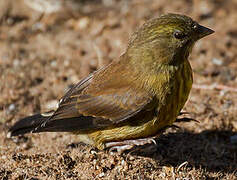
(179, 35)
(195, 26)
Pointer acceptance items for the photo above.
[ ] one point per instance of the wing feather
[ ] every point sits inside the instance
(102, 99)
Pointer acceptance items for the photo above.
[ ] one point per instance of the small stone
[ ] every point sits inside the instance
(4, 157)
(66, 63)
(222, 93)
(83, 23)
(53, 63)
(38, 27)
(93, 152)
(123, 162)
(216, 61)
(10, 21)
(9, 135)
(102, 174)
(74, 79)
(46, 7)
(94, 162)
(118, 42)
(52, 105)
(11, 108)
(16, 62)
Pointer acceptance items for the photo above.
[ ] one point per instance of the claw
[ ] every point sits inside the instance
(182, 113)
(185, 119)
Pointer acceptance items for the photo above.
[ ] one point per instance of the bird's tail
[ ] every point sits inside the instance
(28, 124)
(47, 122)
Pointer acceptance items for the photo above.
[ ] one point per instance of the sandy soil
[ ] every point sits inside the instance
(43, 54)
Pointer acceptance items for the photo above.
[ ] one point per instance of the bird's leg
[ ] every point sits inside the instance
(121, 146)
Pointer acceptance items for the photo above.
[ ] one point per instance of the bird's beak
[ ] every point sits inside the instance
(203, 31)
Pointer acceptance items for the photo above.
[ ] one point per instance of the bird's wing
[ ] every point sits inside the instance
(108, 99)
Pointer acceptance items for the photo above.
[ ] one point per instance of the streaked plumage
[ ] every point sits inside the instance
(136, 95)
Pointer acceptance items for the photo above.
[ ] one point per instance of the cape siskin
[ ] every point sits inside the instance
(133, 98)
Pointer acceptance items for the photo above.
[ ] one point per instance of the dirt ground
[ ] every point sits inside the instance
(43, 53)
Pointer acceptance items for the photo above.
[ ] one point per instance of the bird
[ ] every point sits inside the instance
(129, 101)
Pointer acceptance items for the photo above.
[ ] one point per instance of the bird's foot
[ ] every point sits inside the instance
(122, 146)
(185, 119)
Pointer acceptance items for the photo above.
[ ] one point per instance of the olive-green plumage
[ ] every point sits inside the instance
(136, 95)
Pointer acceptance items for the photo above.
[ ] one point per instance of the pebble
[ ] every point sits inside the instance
(12, 107)
(52, 104)
(53, 64)
(93, 152)
(4, 157)
(83, 23)
(217, 61)
(38, 27)
(222, 93)
(46, 7)
(66, 63)
(16, 62)
(102, 174)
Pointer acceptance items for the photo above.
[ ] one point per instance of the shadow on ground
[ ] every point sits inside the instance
(210, 150)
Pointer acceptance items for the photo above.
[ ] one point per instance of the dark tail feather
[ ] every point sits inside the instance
(66, 125)
(27, 125)
(47, 123)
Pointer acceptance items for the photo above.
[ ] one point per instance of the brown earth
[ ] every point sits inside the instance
(43, 54)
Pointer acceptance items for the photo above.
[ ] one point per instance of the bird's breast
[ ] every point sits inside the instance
(173, 94)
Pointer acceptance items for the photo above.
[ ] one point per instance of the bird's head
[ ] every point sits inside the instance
(169, 38)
